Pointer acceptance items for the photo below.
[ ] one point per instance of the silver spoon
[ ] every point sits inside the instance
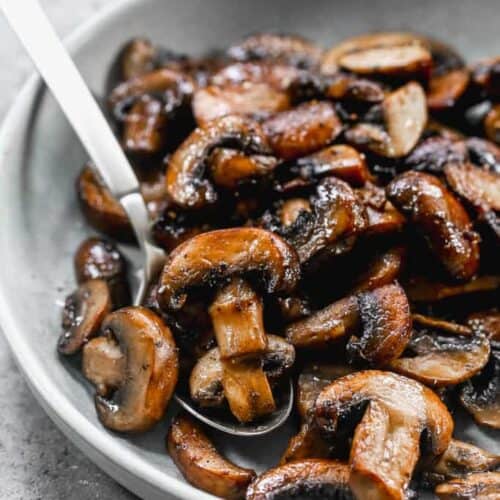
(56, 67)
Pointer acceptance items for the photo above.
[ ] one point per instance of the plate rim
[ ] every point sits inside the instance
(120, 463)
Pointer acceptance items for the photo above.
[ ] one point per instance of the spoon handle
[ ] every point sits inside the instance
(43, 45)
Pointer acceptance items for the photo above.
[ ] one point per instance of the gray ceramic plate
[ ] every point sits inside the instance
(41, 225)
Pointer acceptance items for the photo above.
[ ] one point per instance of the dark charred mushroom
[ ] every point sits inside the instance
(185, 172)
(313, 478)
(202, 260)
(302, 130)
(83, 314)
(137, 58)
(479, 486)
(291, 49)
(200, 462)
(486, 75)
(404, 113)
(150, 372)
(250, 99)
(440, 218)
(205, 381)
(481, 395)
(97, 258)
(386, 445)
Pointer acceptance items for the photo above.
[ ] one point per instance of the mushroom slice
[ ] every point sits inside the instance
(484, 153)
(205, 381)
(291, 49)
(486, 75)
(103, 364)
(478, 186)
(337, 217)
(382, 216)
(202, 260)
(447, 88)
(381, 269)
(137, 58)
(479, 486)
(400, 61)
(440, 218)
(302, 130)
(492, 124)
(331, 324)
(459, 460)
(424, 290)
(151, 370)
(145, 126)
(230, 167)
(481, 395)
(98, 258)
(404, 114)
(238, 321)
(487, 322)
(251, 99)
(442, 325)
(247, 389)
(387, 441)
(291, 209)
(339, 160)
(83, 313)
(385, 325)
(185, 183)
(307, 443)
(441, 360)
(200, 462)
(313, 478)
(154, 82)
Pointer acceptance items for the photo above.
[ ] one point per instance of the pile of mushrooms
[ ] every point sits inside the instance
(328, 215)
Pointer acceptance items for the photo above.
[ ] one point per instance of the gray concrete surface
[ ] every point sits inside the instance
(36, 460)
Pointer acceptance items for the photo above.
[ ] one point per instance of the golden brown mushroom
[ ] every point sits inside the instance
(387, 441)
(186, 184)
(479, 486)
(150, 373)
(200, 462)
(440, 218)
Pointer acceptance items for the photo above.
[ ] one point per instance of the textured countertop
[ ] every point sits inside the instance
(36, 460)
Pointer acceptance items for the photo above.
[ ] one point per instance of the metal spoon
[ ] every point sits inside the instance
(43, 45)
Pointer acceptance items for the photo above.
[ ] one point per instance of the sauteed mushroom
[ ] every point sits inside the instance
(487, 322)
(386, 445)
(185, 172)
(200, 462)
(492, 124)
(313, 478)
(201, 260)
(445, 89)
(83, 313)
(485, 74)
(98, 258)
(137, 58)
(151, 369)
(302, 130)
(479, 486)
(440, 218)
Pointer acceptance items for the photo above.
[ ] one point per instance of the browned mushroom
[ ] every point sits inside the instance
(186, 184)
(291, 209)
(485, 74)
(150, 372)
(445, 89)
(440, 324)
(291, 49)
(313, 478)
(492, 124)
(83, 313)
(137, 58)
(421, 289)
(487, 322)
(201, 259)
(404, 114)
(302, 130)
(459, 460)
(481, 395)
(200, 462)
(440, 218)
(439, 359)
(230, 167)
(332, 226)
(205, 381)
(97, 258)
(251, 99)
(479, 486)
(396, 414)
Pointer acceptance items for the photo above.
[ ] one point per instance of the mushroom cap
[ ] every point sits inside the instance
(151, 370)
(217, 255)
